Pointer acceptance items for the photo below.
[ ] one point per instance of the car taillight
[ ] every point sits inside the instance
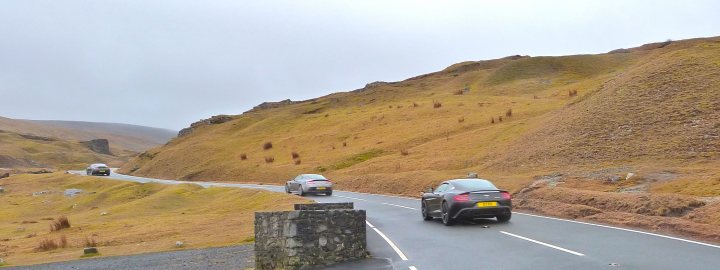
(311, 182)
(328, 180)
(505, 195)
(462, 197)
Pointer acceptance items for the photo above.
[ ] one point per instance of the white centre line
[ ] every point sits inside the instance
(542, 243)
(352, 198)
(390, 242)
(396, 205)
(412, 268)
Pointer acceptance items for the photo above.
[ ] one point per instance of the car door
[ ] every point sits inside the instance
(434, 199)
(298, 182)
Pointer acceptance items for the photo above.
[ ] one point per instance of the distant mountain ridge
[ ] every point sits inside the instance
(129, 137)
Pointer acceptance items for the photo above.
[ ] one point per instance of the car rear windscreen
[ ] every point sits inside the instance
(471, 185)
(315, 177)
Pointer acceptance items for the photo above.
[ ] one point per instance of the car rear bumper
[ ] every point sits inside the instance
(318, 190)
(470, 210)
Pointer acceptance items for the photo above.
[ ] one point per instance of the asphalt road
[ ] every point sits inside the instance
(400, 237)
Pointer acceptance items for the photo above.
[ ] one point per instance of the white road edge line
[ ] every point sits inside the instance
(542, 243)
(623, 229)
(396, 205)
(412, 268)
(390, 242)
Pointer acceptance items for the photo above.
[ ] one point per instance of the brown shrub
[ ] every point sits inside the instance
(344, 144)
(46, 244)
(415, 105)
(461, 119)
(404, 152)
(298, 162)
(90, 242)
(459, 92)
(267, 145)
(269, 159)
(59, 224)
(29, 221)
(499, 118)
(295, 155)
(390, 106)
(63, 243)
(437, 104)
(536, 97)
(508, 113)
(492, 120)
(243, 156)
(572, 93)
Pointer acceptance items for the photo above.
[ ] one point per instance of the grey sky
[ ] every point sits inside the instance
(170, 63)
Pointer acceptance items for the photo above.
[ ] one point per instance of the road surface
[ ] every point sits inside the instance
(398, 234)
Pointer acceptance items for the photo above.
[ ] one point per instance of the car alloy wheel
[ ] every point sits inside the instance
(425, 214)
(301, 192)
(287, 189)
(447, 220)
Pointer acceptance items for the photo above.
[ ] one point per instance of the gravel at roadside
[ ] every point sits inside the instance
(235, 257)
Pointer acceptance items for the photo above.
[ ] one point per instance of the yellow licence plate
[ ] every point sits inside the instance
(321, 188)
(486, 204)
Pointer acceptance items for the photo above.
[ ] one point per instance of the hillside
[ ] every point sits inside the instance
(653, 106)
(121, 136)
(23, 151)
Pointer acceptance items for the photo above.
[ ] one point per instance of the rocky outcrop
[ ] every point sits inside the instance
(215, 120)
(271, 105)
(37, 138)
(100, 146)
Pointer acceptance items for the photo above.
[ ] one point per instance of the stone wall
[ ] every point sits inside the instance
(316, 234)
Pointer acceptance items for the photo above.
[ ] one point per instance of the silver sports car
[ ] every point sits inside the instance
(309, 184)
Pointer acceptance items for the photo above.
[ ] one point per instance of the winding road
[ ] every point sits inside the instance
(398, 235)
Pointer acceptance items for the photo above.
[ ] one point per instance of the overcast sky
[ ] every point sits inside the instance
(170, 63)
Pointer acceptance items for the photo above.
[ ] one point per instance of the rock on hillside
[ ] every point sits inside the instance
(101, 146)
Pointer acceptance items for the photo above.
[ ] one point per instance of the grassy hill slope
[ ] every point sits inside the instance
(24, 151)
(122, 217)
(655, 103)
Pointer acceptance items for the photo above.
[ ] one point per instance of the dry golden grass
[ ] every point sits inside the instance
(138, 218)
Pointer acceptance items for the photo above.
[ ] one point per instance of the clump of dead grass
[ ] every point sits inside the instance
(243, 156)
(437, 104)
(269, 159)
(267, 146)
(59, 224)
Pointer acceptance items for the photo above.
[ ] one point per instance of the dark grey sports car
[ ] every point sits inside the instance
(97, 169)
(466, 198)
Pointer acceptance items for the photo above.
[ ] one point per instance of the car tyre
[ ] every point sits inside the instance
(446, 219)
(329, 193)
(424, 211)
(301, 192)
(504, 218)
(287, 189)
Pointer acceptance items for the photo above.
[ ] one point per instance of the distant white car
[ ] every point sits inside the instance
(309, 184)
(98, 169)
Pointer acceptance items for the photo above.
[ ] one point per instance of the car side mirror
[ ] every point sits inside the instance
(429, 190)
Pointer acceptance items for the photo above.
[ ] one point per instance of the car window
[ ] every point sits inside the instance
(442, 188)
(474, 184)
